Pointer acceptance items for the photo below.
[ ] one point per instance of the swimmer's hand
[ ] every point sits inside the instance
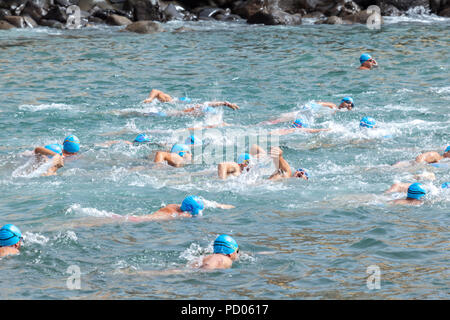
(231, 105)
(148, 100)
(225, 206)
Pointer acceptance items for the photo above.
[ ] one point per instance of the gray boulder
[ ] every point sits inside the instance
(145, 10)
(275, 17)
(144, 27)
(29, 22)
(16, 21)
(56, 13)
(51, 24)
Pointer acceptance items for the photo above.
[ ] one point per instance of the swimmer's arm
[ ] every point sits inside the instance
(257, 151)
(313, 130)
(161, 96)
(398, 187)
(430, 157)
(110, 143)
(172, 159)
(222, 103)
(44, 151)
(280, 163)
(223, 124)
(227, 168)
(328, 104)
(282, 132)
(57, 162)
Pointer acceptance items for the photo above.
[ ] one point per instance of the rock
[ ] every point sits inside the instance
(315, 15)
(96, 20)
(360, 17)
(228, 17)
(29, 22)
(51, 24)
(333, 20)
(407, 4)
(87, 5)
(182, 29)
(16, 21)
(4, 12)
(275, 17)
(56, 13)
(5, 25)
(248, 8)
(172, 13)
(209, 13)
(117, 20)
(389, 10)
(35, 10)
(145, 10)
(144, 27)
(445, 12)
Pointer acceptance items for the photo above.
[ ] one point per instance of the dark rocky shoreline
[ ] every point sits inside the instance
(140, 15)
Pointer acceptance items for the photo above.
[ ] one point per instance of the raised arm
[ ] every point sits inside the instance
(44, 151)
(161, 96)
(257, 151)
(282, 166)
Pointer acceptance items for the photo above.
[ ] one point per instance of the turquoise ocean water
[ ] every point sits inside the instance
(299, 240)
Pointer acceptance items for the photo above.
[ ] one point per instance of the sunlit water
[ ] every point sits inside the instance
(298, 239)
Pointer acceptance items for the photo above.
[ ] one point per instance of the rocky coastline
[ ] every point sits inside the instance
(145, 16)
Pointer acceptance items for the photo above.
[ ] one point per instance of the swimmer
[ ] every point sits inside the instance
(283, 169)
(207, 107)
(10, 240)
(298, 125)
(140, 138)
(346, 103)
(415, 191)
(57, 152)
(226, 250)
(178, 156)
(190, 207)
(367, 62)
(427, 157)
(226, 169)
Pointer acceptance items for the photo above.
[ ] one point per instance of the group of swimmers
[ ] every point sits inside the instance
(226, 248)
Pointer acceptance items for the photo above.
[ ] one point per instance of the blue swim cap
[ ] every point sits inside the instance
(367, 122)
(225, 244)
(416, 191)
(299, 123)
(445, 185)
(348, 99)
(192, 204)
(244, 158)
(185, 99)
(192, 140)
(181, 149)
(55, 148)
(71, 144)
(9, 235)
(364, 57)
(304, 171)
(448, 149)
(210, 110)
(142, 137)
(161, 114)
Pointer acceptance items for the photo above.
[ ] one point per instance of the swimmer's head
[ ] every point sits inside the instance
(244, 160)
(299, 123)
(210, 110)
(367, 122)
(347, 102)
(180, 149)
(142, 137)
(365, 57)
(10, 235)
(57, 148)
(447, 152)
(185, 99)
(416, 191)
(71, 144)
(192, 140)
(224, 244)
(301, 173)
(445, 185)
(192, 204)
